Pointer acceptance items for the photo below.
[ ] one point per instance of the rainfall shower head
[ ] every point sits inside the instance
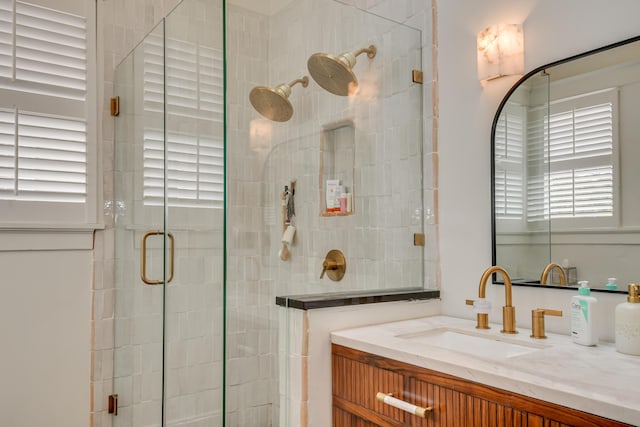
(273, 103)
(335, 73)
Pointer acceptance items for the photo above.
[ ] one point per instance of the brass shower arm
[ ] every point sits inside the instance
(370, 51)
(304, 81)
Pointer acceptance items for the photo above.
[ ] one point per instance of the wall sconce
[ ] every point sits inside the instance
(500, 51)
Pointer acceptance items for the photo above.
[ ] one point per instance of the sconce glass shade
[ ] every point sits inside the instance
(500, 51)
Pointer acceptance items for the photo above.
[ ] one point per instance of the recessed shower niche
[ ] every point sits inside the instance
(337, 157)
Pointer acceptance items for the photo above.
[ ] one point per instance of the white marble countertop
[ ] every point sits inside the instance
(596, 379)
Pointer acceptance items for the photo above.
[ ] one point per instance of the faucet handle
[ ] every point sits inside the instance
(482, 307)
(328, 265)
(537, 321)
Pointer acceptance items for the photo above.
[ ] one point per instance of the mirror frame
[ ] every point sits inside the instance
(493, 165)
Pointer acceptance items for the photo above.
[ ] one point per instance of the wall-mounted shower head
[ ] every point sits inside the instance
(335, 73)
(273, 103)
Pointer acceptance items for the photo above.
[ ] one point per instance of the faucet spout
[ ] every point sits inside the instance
(508, 310)
(548, 269)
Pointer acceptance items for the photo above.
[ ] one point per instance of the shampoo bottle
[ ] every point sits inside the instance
(583, 319)
(627, 323)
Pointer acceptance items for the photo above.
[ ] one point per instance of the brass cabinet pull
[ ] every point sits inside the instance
(143, 257)
(405, 406)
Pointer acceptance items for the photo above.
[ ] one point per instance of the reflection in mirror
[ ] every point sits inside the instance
(565, 144)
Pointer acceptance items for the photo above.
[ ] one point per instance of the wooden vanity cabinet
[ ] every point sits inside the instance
(358, 376)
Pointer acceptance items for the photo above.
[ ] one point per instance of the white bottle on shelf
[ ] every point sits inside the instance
(628, 323)
(583, 316)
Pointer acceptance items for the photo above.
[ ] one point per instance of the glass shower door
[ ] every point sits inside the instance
(139, 307)
(168, 353)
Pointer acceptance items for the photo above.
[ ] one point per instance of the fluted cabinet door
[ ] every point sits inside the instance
(356, 383)
(455, 402)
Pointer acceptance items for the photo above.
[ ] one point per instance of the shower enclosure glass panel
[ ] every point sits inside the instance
(168, 356)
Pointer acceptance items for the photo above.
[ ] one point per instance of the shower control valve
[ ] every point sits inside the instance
(334, 265)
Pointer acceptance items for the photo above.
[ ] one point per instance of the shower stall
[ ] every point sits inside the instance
(200, 171)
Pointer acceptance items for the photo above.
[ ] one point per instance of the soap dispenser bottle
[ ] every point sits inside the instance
(627, 323)
(583, 325)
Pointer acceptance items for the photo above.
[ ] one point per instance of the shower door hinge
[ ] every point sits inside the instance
(115, 106)
(416, 76)
(113, 404)
(418, 239)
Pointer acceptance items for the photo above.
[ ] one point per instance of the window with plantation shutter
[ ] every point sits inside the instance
(580, 142)
(45, 112)
(194, 98)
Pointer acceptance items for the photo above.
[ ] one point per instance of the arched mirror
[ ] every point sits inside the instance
(566, 172)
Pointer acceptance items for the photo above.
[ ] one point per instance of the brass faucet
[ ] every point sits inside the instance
(508, 311)
(547, 270)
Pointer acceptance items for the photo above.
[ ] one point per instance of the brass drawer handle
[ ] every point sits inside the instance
(405, 406)
(143, 257)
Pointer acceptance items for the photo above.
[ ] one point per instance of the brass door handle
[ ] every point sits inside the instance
(405, 406)
(143, 257)
(537, 321)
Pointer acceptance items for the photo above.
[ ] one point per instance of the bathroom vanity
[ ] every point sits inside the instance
(478, 378)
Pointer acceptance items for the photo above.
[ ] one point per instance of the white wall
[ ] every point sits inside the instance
(553, 30)
(45, 361)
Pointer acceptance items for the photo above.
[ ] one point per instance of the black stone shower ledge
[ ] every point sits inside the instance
(341, 299)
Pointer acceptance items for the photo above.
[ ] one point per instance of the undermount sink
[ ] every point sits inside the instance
(471, 343)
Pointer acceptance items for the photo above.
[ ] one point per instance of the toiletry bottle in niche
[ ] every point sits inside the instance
(332, 195)
(343, 200)
(611, 284)
(583, 316)
(627, 323)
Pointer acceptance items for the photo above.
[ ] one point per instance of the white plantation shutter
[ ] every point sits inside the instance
(537, 166)
(579, 182)
(582, 192)
(194, 157)
(44, 112)
(509, 155)
(51, 51)
(6, 39)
